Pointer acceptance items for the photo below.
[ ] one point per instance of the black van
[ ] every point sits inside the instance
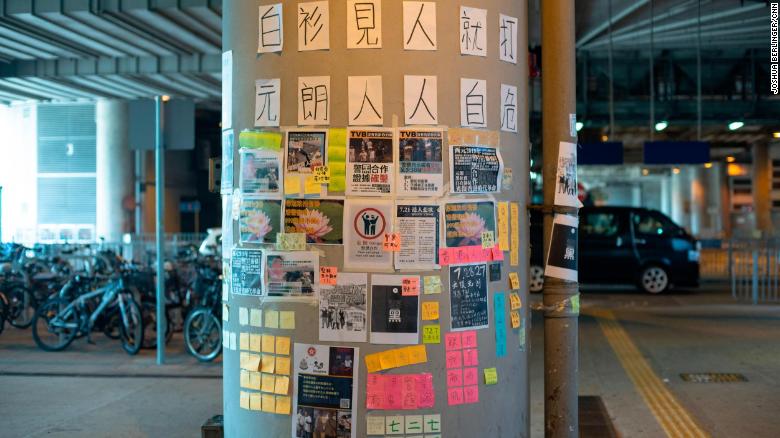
(625, 245)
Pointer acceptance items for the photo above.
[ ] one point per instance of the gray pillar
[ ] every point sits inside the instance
(698, 203)
(677, 198)
(762, 173)
(713, 193)
(114, 169)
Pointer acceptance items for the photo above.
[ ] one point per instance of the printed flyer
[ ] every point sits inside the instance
(260, 173)
(466, 221)
(562, 254)
(365, 224)
(469, 296)
(394, 316)
(259, 220)
(291, 274)
(420, 166)
(325, 393)
(246, 271)
(344, 309)
(320, 219)
(305, 151)
(226, 178)
(475, 169)
(370, 168)
(566, 181)
(418, 224)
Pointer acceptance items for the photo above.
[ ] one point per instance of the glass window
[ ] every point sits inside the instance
(600, 224)
(653, 224)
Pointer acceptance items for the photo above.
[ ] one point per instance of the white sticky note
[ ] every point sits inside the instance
(364, 24)
(243, 316)
(421, 105)
(256, 317)
(365, 100)
(394, 425)
(473, 102)
(507, 38)
(432, 423)
(419, 25)
(473, 31)
(508, 108)
(267, 92)
(270, 32)
(233, 341)
(313, 26)
(313, 100)
(375, 425)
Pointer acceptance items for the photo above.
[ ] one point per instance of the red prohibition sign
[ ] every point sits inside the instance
(379, 232)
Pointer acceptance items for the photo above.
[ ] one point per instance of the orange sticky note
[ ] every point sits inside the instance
(292, 185)
(255, 401)
(515, 315)
(268, 364)
(243, 341)
(283, 345)
(269, 403)
(430, 310)
(283, 365)
(417, 354)
(282, 405)
(282, 384)
(268, 383)
(244, 400)
(373, 363)
(252, 362)
(401, 357)
(328, 275)
(387, 359)
(514, 281)
(514, 300)
(268, 343)
(410, 286)
(254, 342)
(392, 242)
(311, 186)
(254, 380)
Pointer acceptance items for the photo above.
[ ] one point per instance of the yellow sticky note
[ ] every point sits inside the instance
(255, 317)
(503, 225)
(488, 239)
(373, 362)
(491, 376)
(514, 281)
(292, 185)
(321, 174)
(430, 310)
(270, 140)
(311, 186)
(269, 403)
(282, 405)
(244, 400)
(417, 354)
(272, 319)
(514, 253)
(432, 334)
(515, 316)
(268, 343)
(283, 345)
(287, 320)
(255, 401)
(401, 357)
(268, 383)
(282, 384)
(268, 363)
(242, 359)
(254, 342)
(291, 241)
(387, 360)
(252, 362)
(283, 365)
(244, 379)
(432, 284)
(243, 316)
(254, 380)
(243, 341)
(514, 300)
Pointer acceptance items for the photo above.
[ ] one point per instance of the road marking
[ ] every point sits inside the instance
(666, 409)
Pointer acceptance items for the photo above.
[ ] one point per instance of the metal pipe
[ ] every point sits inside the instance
(159, 189)
(652, 73)
(560, 321)
(139, 181)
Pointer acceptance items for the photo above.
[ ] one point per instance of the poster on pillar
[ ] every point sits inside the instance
(226, 179)
(566, 176)
(366, 222)
(370, 168)
(562, 253)
(420, 166)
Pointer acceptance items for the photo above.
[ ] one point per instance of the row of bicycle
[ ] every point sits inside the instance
(111, 296)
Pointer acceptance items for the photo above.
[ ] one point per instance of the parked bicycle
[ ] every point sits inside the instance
(203, 326)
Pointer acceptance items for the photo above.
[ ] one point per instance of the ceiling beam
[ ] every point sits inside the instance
(617, 17)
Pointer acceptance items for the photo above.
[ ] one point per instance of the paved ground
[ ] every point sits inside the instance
(632, 349)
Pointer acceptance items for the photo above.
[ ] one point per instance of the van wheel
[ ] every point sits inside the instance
(654, 279)
(536, 279)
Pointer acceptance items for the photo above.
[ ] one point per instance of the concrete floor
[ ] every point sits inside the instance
(677, 332)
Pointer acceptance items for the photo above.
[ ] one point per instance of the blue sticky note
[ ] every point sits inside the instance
(499, 310)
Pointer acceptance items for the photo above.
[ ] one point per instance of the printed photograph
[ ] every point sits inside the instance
(305, 150)
(343, 309)
(291, 273)
(466, 221)
(323, 423)
(320, 219)
(342, 361)
(259, 172)
(259, 220)
(371, 149)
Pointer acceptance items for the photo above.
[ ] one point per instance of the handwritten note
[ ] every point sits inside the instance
(471, 394)
(399, 392)
(454, 359)
(455, 396)
(328, 275)
(410, 286)
(391, 242)
(488, 239)
(430, 310)
(515, 316)
(503, 225)
(471, 376)
(455, 377)
(469, 254)
(321, 174)
(291, 241)
(452, 341)
(514, 281)
(514, 253)
(432, 284)
(469, 339)
(396, 358)
(514, 301)
(491, 376)
(432, 334)
(470, 357)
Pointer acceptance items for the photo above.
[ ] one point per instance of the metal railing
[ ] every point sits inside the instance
(754, 267)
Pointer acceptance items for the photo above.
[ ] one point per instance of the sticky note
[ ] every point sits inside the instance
(432, 423)
(514, 301)
(269, 403)
(426, 397)
(417, 354)
(452, 341)
(287, 320)
(225, 312)
(410, 286)
(575, 304)
(255, 317)
(268, 383)
(488, 239)
(455, 377)
(269, 342)
(292, 185)
(471, 394)
(431, 334)
(432, 284)
(515, 316)
(455, 396)
(255, 401)
(291, 241)
(394, 425)
(503, 225)
(282, 384)
(469, 339)
(470, 357)
(243, 341)
(499, 312)
(430, 310)
(514, 250)
(401, 357)
(373, 363)
(311, 186)
(471, 376)
(283, 365)
(268, 363)
(255, 340)
(414, 424)
(252, 362)
(514, 281)
(375, 425)
(282, 405)
(270, 140)
(321, 174)
(244, 400)
(243, 316)
(233, 341)
(491, 376)
(337, 158)
(454, 359)
(254, 380)
(244, 379)
(272, 319)
(328, 275)
(283, 345)
(387, 360)
(391, 242)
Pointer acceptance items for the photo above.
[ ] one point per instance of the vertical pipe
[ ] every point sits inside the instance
(698, 72)
(754, 282)
(560, 321)
(159, 192)
(732, 275)
(139, 181)
(611, 77)
(652, 71)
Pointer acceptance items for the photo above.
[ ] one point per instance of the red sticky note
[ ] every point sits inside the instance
(444, 257)
(454, 359)
(375, 391)
(425, 398)
(471, 394)
(470, 357)
(409, 394)
(392, 242)
(410, 286)
(455, 377)
(455, 396)
(452, 341)
(471, 376)
(393, 398)
(328, 275)
(498, 255)
(469, 339)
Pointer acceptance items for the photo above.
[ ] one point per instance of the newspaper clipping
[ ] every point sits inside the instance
(420, 162)
(418, 223)
(370, 162)
(475, 169)
(343, 309)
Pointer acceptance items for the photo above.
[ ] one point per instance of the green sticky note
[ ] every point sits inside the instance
(432, 334)
(291, 241)
(337, 159)
(575, 304)
(268, 140)
(432, 284)
(491, 376)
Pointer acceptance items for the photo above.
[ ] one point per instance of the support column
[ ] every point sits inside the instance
(114, 169)
(762, 177)
(698, 203)
(713, 193)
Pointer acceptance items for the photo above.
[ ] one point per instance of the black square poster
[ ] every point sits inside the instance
(562, 257)
(394, 316)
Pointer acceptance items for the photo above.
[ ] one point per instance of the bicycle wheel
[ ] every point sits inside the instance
(149, 312)
(54, 326)
(132, 328)
(111, 328)
(22, 308)
(2, 312)
(203, 335)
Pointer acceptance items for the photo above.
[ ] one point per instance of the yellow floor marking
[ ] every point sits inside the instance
(672, 417)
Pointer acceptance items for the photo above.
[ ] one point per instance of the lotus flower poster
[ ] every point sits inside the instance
(466, 221)
(320, 219)
(259, 220)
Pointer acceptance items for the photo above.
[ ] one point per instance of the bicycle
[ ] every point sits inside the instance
(203, 326)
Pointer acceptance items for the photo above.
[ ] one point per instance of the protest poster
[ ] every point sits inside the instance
(394, 316)
(306, 149)
(466, 221)
(344, 309)
(370, 168)
(420, 166)
(418, 224)
(566, 177)
(226, 178)
(366, 222)
(291, 274)
(246, 271)
(259, 220)
(260, 173)
(475, 169)
(325, 395)
(320, 219)
(468, 296)
(562, 253)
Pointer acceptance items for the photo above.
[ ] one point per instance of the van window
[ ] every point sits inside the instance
(650, 223)
(600, 224)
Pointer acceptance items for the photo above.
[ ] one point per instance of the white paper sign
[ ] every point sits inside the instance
(227, 89)
(420, 100)
(365, 224)
(508, 108)
(562, 250)
(364, 24)
(507, 38)
(566, 180)
(267, 93)
(313, 26)
(419, 25)
(473, 31)
(314, 100)
(365, 100)
(344, 309)
(270, 32)
(473, 101)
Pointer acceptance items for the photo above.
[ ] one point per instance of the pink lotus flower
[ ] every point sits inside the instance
(258, 226)
(314, 224)
(471, 226)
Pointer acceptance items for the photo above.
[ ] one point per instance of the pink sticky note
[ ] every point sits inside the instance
(455, 396)
(471, 376)
(393, 396)
(410, 286)
(454, 359)
(498, 255)
(452, 341)
(444, 257)
(426, 399)
(470, 357)
(471, 394)
(375, 392)
(469, 339)
(455, 377)
(461, 256)
(409, 392)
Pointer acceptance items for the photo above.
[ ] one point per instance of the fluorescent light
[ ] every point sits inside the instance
(579, 126)
(707, 165)
(676, 170)
(660, 126)
(776, 135)
(733, 126)
(730, 159)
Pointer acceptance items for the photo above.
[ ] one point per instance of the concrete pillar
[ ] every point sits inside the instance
(114, 169)
(666, 196)
(677, 199)
(697, 203)
(713, 193)
(762, 188)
